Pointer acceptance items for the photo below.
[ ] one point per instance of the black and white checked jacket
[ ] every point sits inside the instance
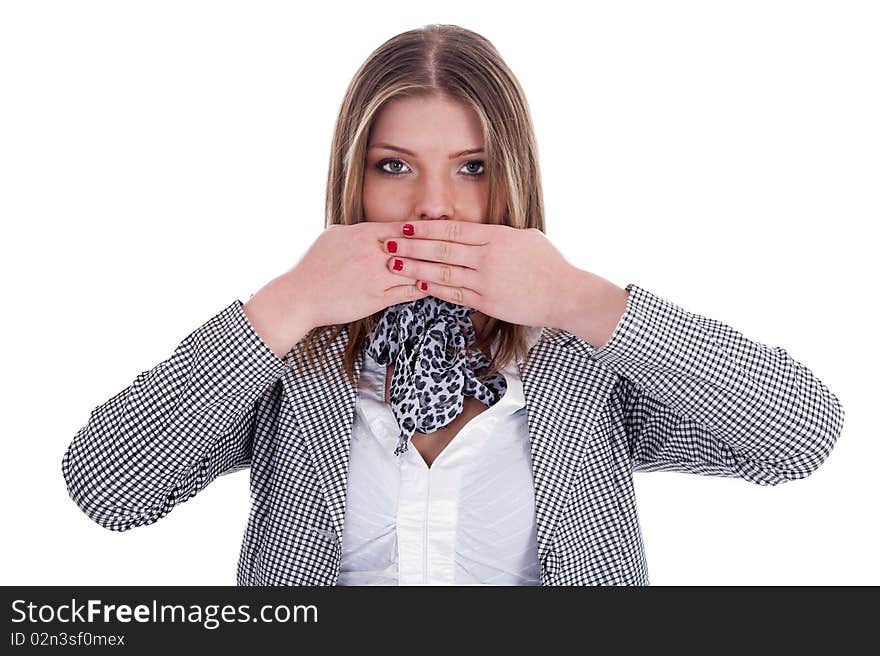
(670, 391)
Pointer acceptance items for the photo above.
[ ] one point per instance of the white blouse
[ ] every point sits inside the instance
(468, 519)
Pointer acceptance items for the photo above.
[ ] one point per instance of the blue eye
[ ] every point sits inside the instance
(380, 166)
(480, 165)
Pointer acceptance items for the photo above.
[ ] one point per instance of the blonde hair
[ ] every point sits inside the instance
(456, 63)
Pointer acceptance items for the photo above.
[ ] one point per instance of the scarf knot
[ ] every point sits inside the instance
(427, 340)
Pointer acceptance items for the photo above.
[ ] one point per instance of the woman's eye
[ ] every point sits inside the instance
(381, 166)
(395, 165)
(479, 163)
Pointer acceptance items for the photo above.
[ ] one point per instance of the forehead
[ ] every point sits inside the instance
(426, 124)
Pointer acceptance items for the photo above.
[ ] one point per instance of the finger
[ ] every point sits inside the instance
(463, 232)
(435, 250)
(458, 295)
(446, 274)
(380, 231)
(403, 294)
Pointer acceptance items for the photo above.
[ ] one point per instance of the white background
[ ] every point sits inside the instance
(160, 159)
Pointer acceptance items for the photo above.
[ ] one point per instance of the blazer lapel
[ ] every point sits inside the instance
(324, 407)
(564, 391)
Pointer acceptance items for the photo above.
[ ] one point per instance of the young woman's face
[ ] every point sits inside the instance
(420, 170)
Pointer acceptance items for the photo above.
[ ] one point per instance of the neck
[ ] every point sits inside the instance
(478, 319)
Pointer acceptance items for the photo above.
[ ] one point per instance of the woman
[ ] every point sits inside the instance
(433, 311)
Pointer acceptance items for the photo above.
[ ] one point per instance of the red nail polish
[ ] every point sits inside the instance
(392, 246)
(398, 264)
(408, 229)
(424, 286)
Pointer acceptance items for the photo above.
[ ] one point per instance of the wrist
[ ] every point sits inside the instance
(594, 308)
(277, 313)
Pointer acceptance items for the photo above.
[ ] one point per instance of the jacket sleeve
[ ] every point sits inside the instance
(701, 398)
(176, 428)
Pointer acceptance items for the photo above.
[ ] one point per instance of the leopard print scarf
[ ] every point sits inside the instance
(426, 339)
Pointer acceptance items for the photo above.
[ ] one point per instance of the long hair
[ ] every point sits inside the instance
(456, 63)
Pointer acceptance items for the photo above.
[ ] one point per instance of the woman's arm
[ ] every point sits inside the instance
(699, 397)
(177, 427)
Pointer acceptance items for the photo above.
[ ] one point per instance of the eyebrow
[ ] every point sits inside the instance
(387, 146)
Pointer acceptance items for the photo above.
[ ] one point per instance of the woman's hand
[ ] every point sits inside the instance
(342, 277)
(514, 275)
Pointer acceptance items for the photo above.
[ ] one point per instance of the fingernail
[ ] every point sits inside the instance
(424, 286)
(392, 246)
(398, 264)
(408, 229)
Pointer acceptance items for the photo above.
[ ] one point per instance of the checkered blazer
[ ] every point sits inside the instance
(670, 391)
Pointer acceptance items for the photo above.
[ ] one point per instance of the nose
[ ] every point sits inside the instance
(435, 199)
